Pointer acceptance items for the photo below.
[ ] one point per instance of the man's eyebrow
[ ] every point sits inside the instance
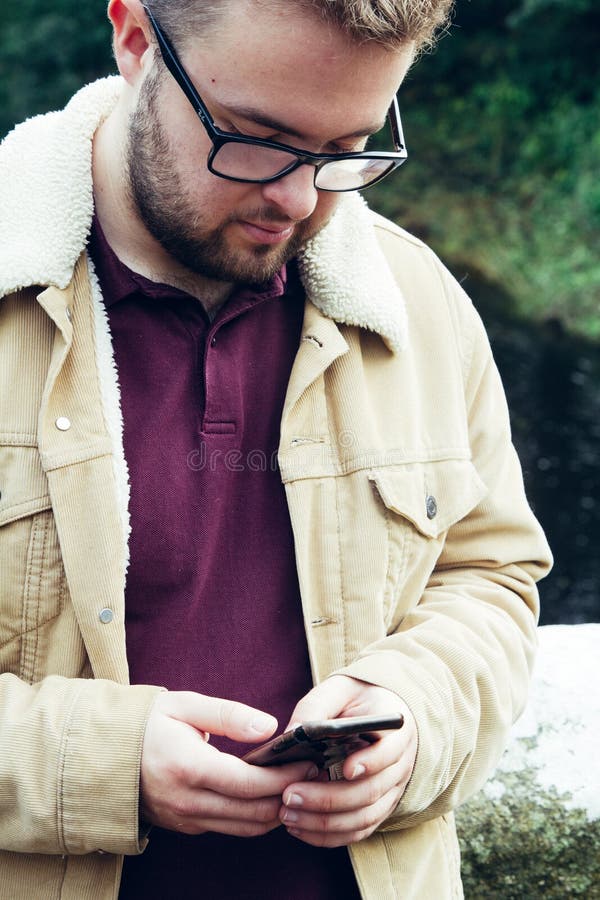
(259, 118)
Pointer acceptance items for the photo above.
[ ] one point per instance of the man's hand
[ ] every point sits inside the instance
(189, 786)
(336, 813)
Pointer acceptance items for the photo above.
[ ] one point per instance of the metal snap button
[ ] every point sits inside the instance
(431, 507)
(62, 423)
(106, 616)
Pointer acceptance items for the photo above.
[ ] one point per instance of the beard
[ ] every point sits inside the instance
(163, 205)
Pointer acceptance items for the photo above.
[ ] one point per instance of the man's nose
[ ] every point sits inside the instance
(294, 194)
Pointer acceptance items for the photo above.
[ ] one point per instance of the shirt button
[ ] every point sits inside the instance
(106, 616)
(431, 507)
(62, 423)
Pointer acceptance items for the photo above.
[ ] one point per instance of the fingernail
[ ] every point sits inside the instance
(311, 773)
(290, 816)
(294, 800)
(358, 771)
(260, 724)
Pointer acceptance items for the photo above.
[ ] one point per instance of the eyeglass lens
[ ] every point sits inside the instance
(251, 162)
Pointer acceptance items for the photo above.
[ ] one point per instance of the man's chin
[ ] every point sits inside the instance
(227, 258)
(260, 263)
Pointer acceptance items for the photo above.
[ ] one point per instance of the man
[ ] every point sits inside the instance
(252, 440)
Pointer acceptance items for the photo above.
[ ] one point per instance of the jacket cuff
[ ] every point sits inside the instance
(98, 801)
(434, 721)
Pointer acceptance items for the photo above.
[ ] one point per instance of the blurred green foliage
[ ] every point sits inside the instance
(47, 51)
(502, 124)
(503, 129)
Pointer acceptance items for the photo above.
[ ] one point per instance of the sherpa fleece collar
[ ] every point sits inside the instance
(47, 203)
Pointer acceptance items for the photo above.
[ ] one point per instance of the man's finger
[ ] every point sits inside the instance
(217, 716)
(343, 796)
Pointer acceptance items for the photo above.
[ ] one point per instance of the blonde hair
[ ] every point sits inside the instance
(390, 23)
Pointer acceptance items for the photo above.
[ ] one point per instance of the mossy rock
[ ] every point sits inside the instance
(527, 844)
(534, 830)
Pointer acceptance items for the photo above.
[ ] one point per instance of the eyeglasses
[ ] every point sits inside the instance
(241, 158)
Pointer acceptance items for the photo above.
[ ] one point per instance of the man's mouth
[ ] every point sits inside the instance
(266, 233)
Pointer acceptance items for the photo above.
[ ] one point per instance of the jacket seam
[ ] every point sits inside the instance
(302, 473)
(53, 462)
(459, 336)
(60, 788)
(14, 507)
(21, 439)
(380, 222)
(19, 635)
(340, 574)
(31, 605)
(390, 867)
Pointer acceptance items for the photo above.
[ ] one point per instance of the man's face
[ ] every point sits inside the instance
(265, 72)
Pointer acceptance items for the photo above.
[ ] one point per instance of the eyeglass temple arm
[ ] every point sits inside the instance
(396, 125)
(172, 63)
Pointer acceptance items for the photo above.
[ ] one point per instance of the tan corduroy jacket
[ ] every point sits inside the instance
(416, 549)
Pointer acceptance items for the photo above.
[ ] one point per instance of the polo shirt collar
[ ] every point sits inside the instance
(121, 282)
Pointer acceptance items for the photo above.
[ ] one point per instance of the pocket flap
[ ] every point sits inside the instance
(433, 496)
(23, 483)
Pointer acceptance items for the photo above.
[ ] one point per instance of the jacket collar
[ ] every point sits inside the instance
(47, 203)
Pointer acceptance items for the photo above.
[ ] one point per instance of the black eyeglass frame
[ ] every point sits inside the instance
(218, 137)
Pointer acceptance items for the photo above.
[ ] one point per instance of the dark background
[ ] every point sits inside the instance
(503, 128)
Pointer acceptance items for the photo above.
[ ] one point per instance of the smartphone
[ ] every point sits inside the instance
(325, 743)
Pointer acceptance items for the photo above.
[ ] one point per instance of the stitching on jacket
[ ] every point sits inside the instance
(60, 794)
(24, 613)
(22, 439)
(54, 461)
(465, 353)
(387, 598)
(26, 664)
(18, 637)
(340, 575)
(444, 829)
(16, 506)
(110, 395)
(390, 868)
(36, 610)
(38, 543)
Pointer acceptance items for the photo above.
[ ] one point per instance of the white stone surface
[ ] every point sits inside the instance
(563, 716)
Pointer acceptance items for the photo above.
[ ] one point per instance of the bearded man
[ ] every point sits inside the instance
(256, 468)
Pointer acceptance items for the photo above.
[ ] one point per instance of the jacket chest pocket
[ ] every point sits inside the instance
(32, 578)
(420, 502)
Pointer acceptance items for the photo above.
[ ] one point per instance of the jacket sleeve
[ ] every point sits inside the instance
(70, 753)
(462, 658)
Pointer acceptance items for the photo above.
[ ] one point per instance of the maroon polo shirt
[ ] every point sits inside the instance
(212, 599)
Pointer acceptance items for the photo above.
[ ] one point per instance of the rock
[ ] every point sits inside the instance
(534, 829)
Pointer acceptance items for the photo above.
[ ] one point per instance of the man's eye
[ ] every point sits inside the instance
(230, 128)
(353, 148)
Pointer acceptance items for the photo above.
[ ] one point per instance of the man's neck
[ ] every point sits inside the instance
(126, 233)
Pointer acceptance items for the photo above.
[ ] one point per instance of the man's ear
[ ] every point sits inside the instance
(131, 37)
